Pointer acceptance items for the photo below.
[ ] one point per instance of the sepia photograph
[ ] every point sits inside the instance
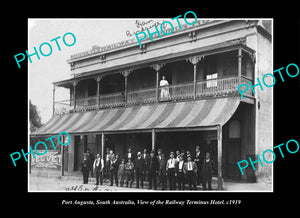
(149, 104)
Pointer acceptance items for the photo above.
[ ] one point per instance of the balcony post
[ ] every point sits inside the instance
(125, 89)
(53, 106)
(102, 144)
(240, 65)
(74, 93)
(98, 78)
(126, 74)
(157, 67)
(194, 60)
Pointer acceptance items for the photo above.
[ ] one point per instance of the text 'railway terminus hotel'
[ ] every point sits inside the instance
(115, 97)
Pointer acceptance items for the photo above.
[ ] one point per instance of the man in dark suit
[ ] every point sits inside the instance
(207, 171)
(199, 161)
(139, 168)
(107, 158)
(146, 157)
(158, 159)
(85, 168)
(128, 155)
(116, 164)
(91, 159)
(179, 173)
(162, 172)
(190, 169)
(183, 155)
(110, 167)
(152, 170)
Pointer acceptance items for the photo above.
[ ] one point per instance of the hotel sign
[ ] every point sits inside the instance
(98, 49)
(52, 159)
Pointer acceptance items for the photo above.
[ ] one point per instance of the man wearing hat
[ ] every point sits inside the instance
(116, 164)
(207, 171)
(139, 168)
(98, 168)
(180, 174)
(199, 161)
(146, 157)
(152, 170)
(162, 173)
(171, 171)
(85, 167)
(190, 169)
(158, 160)
(177, 155)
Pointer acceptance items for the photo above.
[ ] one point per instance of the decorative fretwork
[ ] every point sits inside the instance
(157, 67)
(195, 59)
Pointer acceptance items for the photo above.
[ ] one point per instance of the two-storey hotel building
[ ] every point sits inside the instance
(115, 97)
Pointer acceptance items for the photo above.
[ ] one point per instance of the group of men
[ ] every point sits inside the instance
(177, 171)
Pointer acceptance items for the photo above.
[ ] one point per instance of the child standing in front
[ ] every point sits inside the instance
(129, 168)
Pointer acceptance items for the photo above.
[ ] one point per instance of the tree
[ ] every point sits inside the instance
(34, 117)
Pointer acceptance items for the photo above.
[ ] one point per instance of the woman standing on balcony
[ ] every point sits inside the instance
(164, 93)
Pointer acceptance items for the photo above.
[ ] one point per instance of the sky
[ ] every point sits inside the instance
(88, 32)
(43, 72)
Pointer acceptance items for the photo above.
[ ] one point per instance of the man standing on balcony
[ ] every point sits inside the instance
(164, 93)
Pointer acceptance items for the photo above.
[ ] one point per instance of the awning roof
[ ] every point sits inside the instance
(167, 115)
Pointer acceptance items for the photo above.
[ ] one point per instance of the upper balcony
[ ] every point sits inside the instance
(187, 78)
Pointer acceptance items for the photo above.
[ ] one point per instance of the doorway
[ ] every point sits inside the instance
(77, 149)
(233, 155)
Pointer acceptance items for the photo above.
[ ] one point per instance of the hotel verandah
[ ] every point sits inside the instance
(115, 97)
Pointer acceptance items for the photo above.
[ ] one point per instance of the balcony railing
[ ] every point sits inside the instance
(177, 91)
(217, 87)
(173, 92)
(112, 100)
(141, 96)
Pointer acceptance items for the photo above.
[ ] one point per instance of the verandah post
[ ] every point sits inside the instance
(53, 106)
(194, 60)
(220, 178)
(102, 144)
(153, 140)
(62, 139)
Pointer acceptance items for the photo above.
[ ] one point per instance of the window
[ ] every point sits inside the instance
(213, 78)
